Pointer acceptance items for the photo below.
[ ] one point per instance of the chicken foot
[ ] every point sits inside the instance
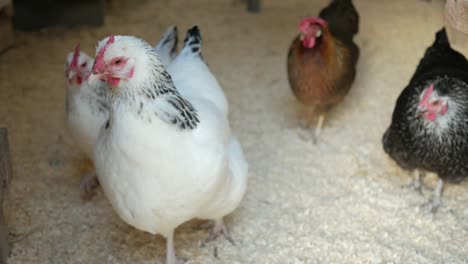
(417, 183)
(219, 228)
(434, 203)
(89, 183)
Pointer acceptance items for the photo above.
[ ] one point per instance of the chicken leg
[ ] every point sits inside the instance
(319, 126)
(89, 183)
(170, 251)
(307, 117)
(307, 121)
(435, 201)
(417, 183)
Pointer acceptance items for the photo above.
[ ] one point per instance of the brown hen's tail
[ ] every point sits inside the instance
(342, 18)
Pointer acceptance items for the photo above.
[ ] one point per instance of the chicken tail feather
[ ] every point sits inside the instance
(192, 42)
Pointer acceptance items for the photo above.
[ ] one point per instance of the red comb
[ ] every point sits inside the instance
(99, 64)
(76, 55)
(307, 21)
(427, 93)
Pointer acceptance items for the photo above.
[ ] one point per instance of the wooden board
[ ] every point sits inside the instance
(253, 6)
(33, 14)
(5, 180)
(6, 26)
(5, 161)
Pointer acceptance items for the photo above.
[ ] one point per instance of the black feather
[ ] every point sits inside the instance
(342, 18)
(440, 58)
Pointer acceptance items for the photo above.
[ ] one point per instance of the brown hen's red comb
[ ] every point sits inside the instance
(307, 21)
(76, 55)
(99, 64)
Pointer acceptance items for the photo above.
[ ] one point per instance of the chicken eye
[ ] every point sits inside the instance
(83, 64)
(117, 62)
(435, 103)
(319, 33)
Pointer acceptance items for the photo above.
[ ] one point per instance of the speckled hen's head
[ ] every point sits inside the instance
(121, 60)
(78, 66)
(432, 104)
(311, 30)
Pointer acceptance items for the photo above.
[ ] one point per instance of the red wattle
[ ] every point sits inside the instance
(308, 42)
(113, 81)
(430, 116)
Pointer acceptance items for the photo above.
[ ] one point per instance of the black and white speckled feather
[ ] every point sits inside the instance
(156, 96)
(192, 43)
(191, 74)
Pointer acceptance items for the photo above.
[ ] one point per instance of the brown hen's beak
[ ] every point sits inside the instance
(93, 77)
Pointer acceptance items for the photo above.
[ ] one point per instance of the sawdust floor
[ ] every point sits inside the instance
(339, 201)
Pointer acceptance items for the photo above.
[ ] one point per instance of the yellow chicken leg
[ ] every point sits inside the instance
(307, 117)
(319, 126)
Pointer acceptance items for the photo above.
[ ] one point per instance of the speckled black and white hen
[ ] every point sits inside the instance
(429, 129)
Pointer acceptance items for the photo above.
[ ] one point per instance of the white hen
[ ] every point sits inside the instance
(163, 158)
(86, 110)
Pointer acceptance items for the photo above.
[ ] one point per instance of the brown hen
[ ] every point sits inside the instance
(322, 59)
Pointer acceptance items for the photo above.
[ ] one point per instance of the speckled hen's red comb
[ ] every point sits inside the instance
(76, 55)
(99, 63)
(426, 94)
(307, 21)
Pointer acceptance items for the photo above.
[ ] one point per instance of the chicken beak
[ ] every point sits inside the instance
(93, 77)
(71, 74)
(420, 112)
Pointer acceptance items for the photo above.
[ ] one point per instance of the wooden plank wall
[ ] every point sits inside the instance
(34, 14)
(5, 180)
(6, 25)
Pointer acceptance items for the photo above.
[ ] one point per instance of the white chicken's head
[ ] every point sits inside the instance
(311, 29)
(78, 66)
(120, 59)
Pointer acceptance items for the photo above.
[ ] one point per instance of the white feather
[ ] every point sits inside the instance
(165, 46)
(193, 78)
